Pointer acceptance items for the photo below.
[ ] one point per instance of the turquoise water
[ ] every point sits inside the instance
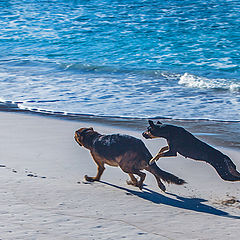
(177, 59)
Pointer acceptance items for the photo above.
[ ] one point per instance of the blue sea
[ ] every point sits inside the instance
(121, 58)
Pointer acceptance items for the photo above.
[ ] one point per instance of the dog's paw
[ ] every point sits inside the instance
(162, 187)
(151, 161)
(89, 179)
(129, 182)
(135, 184)
(140, 186)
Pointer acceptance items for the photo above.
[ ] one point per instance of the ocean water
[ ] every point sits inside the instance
(136, 58)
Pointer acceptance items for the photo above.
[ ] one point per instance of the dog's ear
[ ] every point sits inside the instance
(151, 123)
(158, 122)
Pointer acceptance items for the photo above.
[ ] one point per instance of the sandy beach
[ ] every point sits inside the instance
(44, 195)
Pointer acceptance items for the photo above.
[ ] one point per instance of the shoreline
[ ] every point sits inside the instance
(224, 134)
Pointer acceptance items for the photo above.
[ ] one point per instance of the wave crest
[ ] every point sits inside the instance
(194, 81)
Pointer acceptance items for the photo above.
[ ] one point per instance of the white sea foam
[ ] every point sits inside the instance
(41, 86)
(194, 81)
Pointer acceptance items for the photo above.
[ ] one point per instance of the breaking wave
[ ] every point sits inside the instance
(194, 81)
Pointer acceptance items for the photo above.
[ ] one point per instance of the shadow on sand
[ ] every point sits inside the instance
(193, 204)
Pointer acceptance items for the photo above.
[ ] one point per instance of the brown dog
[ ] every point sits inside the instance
(127, 152)
(183, 142)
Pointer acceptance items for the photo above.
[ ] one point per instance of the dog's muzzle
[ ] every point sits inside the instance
(146, 135)
(76, 139)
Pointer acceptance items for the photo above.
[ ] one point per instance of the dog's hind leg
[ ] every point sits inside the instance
(156, 174)
(133, 180)
(160, 184)
(165, 176)
(142, 178)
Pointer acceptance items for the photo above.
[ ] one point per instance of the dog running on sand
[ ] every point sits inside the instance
(129, 153)
(183, 142)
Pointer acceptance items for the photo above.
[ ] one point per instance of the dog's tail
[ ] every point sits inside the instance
(226, 169)
(165, 176)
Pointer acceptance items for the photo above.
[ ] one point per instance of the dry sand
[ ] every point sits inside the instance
(41, 198)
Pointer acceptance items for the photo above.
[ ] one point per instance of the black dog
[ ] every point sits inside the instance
(127, 152)
(183, 142)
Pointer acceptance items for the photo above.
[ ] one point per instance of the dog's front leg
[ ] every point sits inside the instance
(159, 154)
(169, 153)
(100, 170)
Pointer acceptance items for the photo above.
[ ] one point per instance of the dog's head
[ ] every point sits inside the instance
(155, 130)
(81, 134)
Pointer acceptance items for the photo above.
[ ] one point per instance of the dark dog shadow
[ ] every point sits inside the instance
(193, 204)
